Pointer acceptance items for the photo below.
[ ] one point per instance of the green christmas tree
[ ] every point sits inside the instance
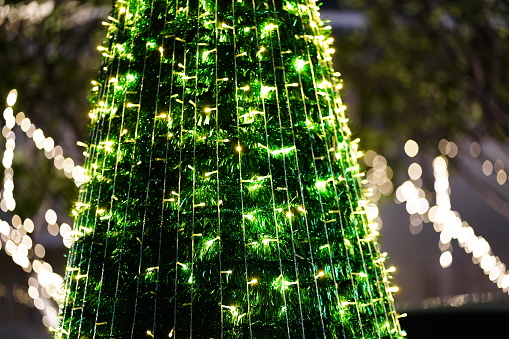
(223, 197)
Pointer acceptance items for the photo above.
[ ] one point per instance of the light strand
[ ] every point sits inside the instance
(446, 221)
(45, 286)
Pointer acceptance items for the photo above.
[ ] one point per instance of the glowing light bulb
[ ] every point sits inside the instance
(411, 148)
(12, 97)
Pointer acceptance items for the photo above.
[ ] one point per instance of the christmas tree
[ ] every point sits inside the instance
(223, 195)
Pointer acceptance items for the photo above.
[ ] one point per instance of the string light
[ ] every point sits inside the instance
(45, 286)
(411, 148)
(446, 221)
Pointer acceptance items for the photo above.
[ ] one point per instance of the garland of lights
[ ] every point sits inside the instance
(221, 192)
(44, 286)
(445, 221)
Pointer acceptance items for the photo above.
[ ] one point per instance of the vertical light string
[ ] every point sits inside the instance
(108, 213)
(275, 222)
(175, 102)
(217, 26)
(355, 187)
(166, 117)
(156, 118)
(126, 11)
(366, 238)
(287, 189)
(330, 160)
(125, 108)
(309, 122)
(237, 52)
(336, 176)
(179, 189)
(168, 120)
(96, 146)
(117, 149)
(300, 192)
(74, 274)
(195, 205)
(328, 151)
(325, 218)
(147, 185)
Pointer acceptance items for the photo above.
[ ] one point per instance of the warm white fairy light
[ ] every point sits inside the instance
(411, 148)
(33, 12)
(446, 221)
(448, 148)
(501, 177)
(378, 183)
(487, 167)
(497, 168)
(475, 149)
(43, 284)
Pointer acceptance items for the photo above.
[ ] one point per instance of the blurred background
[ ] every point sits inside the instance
(426, 83)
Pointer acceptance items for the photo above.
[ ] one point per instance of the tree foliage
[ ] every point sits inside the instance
(430, 69)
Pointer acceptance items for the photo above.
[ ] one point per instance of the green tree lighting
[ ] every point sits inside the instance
(223, 195)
